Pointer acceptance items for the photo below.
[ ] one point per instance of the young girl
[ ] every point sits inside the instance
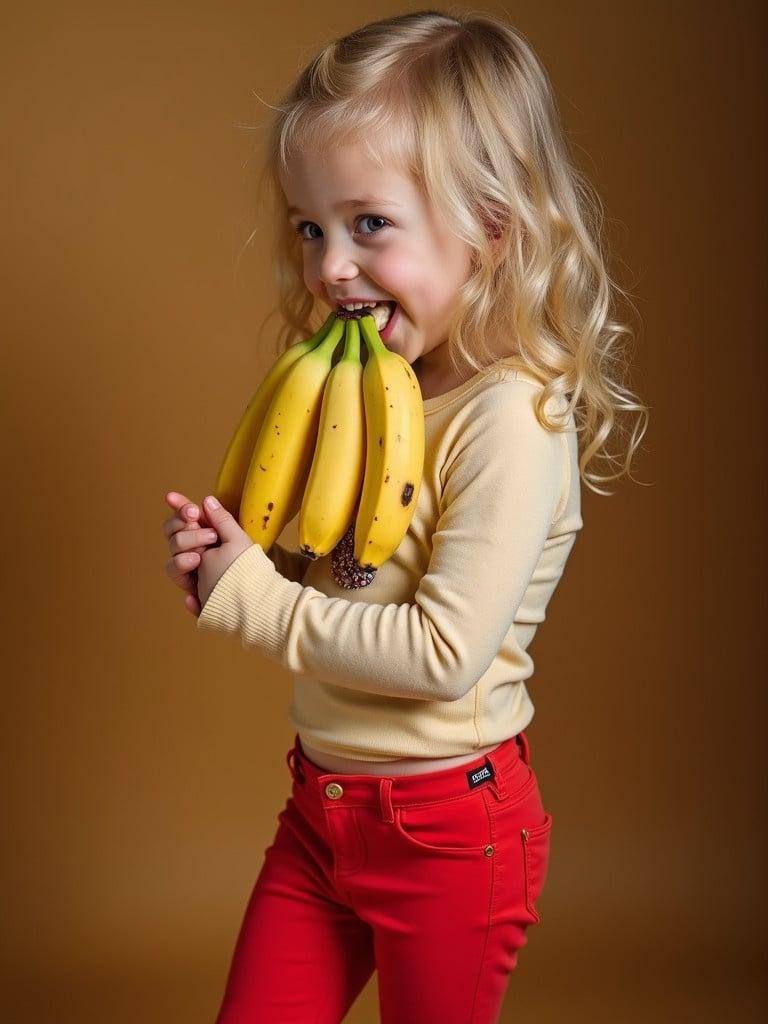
(419, 161)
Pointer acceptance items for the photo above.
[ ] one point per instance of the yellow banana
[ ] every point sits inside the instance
(231, 477)
(282, 454)
(394, 463)
(338, 465)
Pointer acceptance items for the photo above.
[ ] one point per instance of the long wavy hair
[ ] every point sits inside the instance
(461, 102)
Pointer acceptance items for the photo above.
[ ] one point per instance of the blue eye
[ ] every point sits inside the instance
(365, 216)
(373, 216)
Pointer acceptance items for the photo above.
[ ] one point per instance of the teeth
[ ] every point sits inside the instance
(379, 310)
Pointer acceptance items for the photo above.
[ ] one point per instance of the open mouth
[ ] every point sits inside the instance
(382, 313)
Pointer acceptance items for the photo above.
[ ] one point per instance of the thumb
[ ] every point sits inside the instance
(220, 519)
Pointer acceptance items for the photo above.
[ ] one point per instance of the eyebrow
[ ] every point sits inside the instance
(354, 203)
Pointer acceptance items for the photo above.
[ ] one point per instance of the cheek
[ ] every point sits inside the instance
(441, 281)
(427, 277)
(312, 281)
(394, 272)
(409, 279)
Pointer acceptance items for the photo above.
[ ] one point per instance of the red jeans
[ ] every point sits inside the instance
(430, 879)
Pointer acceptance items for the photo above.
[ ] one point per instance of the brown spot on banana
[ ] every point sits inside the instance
(407, 495)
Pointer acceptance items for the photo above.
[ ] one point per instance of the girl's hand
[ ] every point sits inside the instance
(216, 560)
(187, 541)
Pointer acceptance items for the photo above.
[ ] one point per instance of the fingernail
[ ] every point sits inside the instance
(192, 510)
(211, 502)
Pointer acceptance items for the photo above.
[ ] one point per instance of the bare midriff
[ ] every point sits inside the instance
(402, 766)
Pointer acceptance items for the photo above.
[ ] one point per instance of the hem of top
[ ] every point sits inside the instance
(334, 751)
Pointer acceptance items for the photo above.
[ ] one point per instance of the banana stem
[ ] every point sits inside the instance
(331, 339)
(372, 338)
(352, 341)
(315, 339)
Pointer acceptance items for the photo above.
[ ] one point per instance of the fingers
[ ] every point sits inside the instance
(191, 538)
(178, 501)
(179, 570)
(188, 512)
(188, 535)
(186, 548)
(187, 520)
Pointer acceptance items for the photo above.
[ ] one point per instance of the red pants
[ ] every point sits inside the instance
(430, 879)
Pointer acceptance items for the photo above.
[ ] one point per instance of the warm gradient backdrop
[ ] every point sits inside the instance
(144, 763)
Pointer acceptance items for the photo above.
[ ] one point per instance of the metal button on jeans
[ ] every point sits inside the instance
(334, 790)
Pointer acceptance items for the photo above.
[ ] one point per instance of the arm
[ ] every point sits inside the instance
(504, 481)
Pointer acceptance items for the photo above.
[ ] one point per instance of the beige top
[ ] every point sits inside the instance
(431, 659)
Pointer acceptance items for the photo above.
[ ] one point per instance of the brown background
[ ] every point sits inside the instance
(144, 762)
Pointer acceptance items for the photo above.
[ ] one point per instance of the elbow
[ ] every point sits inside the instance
(451, 665)
(455, 683)
(465, 677)
(461, 687)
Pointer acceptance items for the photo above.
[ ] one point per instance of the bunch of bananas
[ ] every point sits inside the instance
(343, 446)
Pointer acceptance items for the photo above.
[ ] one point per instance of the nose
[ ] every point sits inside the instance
(336, 263)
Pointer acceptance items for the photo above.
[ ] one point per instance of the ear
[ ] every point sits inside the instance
(494, 233)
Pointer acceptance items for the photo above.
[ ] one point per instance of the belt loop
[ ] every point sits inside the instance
(499, 781)
(295, 765)
(525, 747)
(385, 800)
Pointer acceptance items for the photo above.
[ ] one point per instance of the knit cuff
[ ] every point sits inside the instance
(252, 598)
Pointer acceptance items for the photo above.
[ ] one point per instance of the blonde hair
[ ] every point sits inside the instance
(461, 102)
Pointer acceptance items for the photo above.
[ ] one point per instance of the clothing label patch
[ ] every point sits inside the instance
(479, 775)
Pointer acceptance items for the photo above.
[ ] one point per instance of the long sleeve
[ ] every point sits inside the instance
(503, 483)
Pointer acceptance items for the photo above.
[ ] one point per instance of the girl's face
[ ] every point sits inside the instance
(392, 247)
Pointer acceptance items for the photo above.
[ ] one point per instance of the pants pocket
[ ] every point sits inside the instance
(535, 840)
(458, 825)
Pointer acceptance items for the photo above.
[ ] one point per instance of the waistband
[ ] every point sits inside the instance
(493, 769)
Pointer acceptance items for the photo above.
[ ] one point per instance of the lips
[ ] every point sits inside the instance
(394, 316)
(340, 310)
